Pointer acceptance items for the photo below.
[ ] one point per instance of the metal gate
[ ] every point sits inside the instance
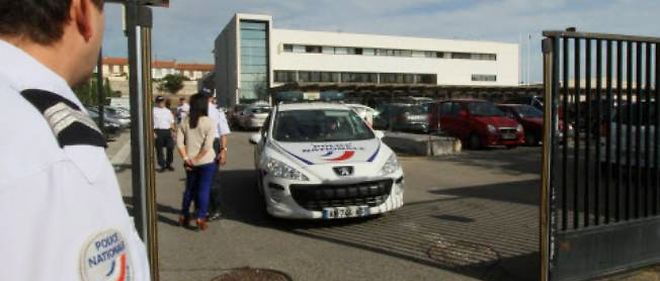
(600, 210)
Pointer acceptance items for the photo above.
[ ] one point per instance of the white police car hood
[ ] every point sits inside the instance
(344, 152)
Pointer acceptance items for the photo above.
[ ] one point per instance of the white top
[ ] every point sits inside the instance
(64, 214)
(163, 118)
(182, 111)
(220, 120)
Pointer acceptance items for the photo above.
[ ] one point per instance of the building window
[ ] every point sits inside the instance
(254, 60)
(288, 48)
(328, 50)
(484, 77)
(313, 49)
(329, 77)
(285, 76)
(465, 56)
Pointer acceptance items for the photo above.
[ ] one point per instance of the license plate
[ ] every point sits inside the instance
(508, 136)
(345, 212)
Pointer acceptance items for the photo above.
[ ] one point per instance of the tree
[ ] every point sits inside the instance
(87, 92)
(171, 83)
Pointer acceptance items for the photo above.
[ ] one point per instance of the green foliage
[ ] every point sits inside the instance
(88, 95)
(171, 83)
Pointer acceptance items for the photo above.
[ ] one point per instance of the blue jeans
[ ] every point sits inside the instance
(198, 183)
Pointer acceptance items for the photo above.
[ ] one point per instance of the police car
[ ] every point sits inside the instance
(322, 161)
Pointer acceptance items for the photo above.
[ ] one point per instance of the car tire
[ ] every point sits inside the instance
(531, 139)
(474, 142)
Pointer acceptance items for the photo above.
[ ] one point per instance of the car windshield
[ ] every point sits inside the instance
(527, 111)
(320, 125)
(484, 109)
(421, 109)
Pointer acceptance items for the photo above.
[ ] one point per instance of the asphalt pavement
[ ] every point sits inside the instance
(471, 216)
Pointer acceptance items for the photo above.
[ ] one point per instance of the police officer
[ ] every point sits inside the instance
(64, 217)
(163, 131)
(220, 147)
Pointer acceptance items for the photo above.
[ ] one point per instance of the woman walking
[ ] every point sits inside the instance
(195, 145)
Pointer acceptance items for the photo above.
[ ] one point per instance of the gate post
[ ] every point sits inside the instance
(549, 46)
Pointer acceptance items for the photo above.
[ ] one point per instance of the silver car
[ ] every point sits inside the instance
(253, 116)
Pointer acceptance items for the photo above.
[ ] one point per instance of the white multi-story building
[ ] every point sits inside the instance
(251, 56)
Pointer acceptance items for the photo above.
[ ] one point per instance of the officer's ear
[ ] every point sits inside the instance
(85, 16)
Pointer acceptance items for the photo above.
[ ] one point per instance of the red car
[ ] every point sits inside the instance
(529, 117)
(477, 123)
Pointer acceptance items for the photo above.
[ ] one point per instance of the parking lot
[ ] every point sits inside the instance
(468, 216)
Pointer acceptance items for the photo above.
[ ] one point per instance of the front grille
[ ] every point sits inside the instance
(508, 130)
(317, 197)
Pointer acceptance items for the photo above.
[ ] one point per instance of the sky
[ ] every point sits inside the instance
(187, 29)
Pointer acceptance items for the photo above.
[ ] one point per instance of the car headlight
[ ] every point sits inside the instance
(279, 169)
(492, 129)
(391, 165)
(519, 128)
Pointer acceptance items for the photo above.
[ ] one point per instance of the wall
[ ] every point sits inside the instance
(449, 71)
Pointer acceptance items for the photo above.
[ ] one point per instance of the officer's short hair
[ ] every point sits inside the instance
(42, 21)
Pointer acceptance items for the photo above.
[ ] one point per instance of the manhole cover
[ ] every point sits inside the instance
(462, 253)
(252, 274)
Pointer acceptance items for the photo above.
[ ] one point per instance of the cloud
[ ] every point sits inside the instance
(187, 29)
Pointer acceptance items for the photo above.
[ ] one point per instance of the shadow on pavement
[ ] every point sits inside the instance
(521, 160)
(161, 209)
(466, 233)
(521, 192)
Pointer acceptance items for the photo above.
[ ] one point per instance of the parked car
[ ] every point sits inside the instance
(234, 114)
(253, 116)
(529, 117)
(647, 125)
(111, 129)
(535, 101)
(110, 117)
(321, 161)
(365, 112)
(403, 117)
(477, 123)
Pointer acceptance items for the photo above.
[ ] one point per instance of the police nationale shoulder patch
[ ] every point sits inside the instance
(105, 257)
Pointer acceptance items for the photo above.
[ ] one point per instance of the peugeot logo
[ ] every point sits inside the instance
(343, 171)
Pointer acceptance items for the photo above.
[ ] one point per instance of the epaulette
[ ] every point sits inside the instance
(70, 125)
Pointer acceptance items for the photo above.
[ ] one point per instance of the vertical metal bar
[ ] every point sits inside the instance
(564, 167)
(619, 137)
(588, 134)
(599, 121)
(550, 128)
(577, 86)
(647, 131)
(638, 129)
(629, 125)
(656, 144)
(138, 19)
(608, 139)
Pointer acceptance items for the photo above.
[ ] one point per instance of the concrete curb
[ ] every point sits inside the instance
(422, 145)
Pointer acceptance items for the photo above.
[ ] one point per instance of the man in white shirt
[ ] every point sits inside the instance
(64, 215)
(163, 131)
(220, 147)
(182, 110)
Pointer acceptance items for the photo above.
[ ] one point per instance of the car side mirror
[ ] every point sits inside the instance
(379, 134)
(255, 138)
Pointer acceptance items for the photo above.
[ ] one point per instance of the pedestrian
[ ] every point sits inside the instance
(163, 132)
(195, 145)
(182, 110)
(64, 217)
(220, 143)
